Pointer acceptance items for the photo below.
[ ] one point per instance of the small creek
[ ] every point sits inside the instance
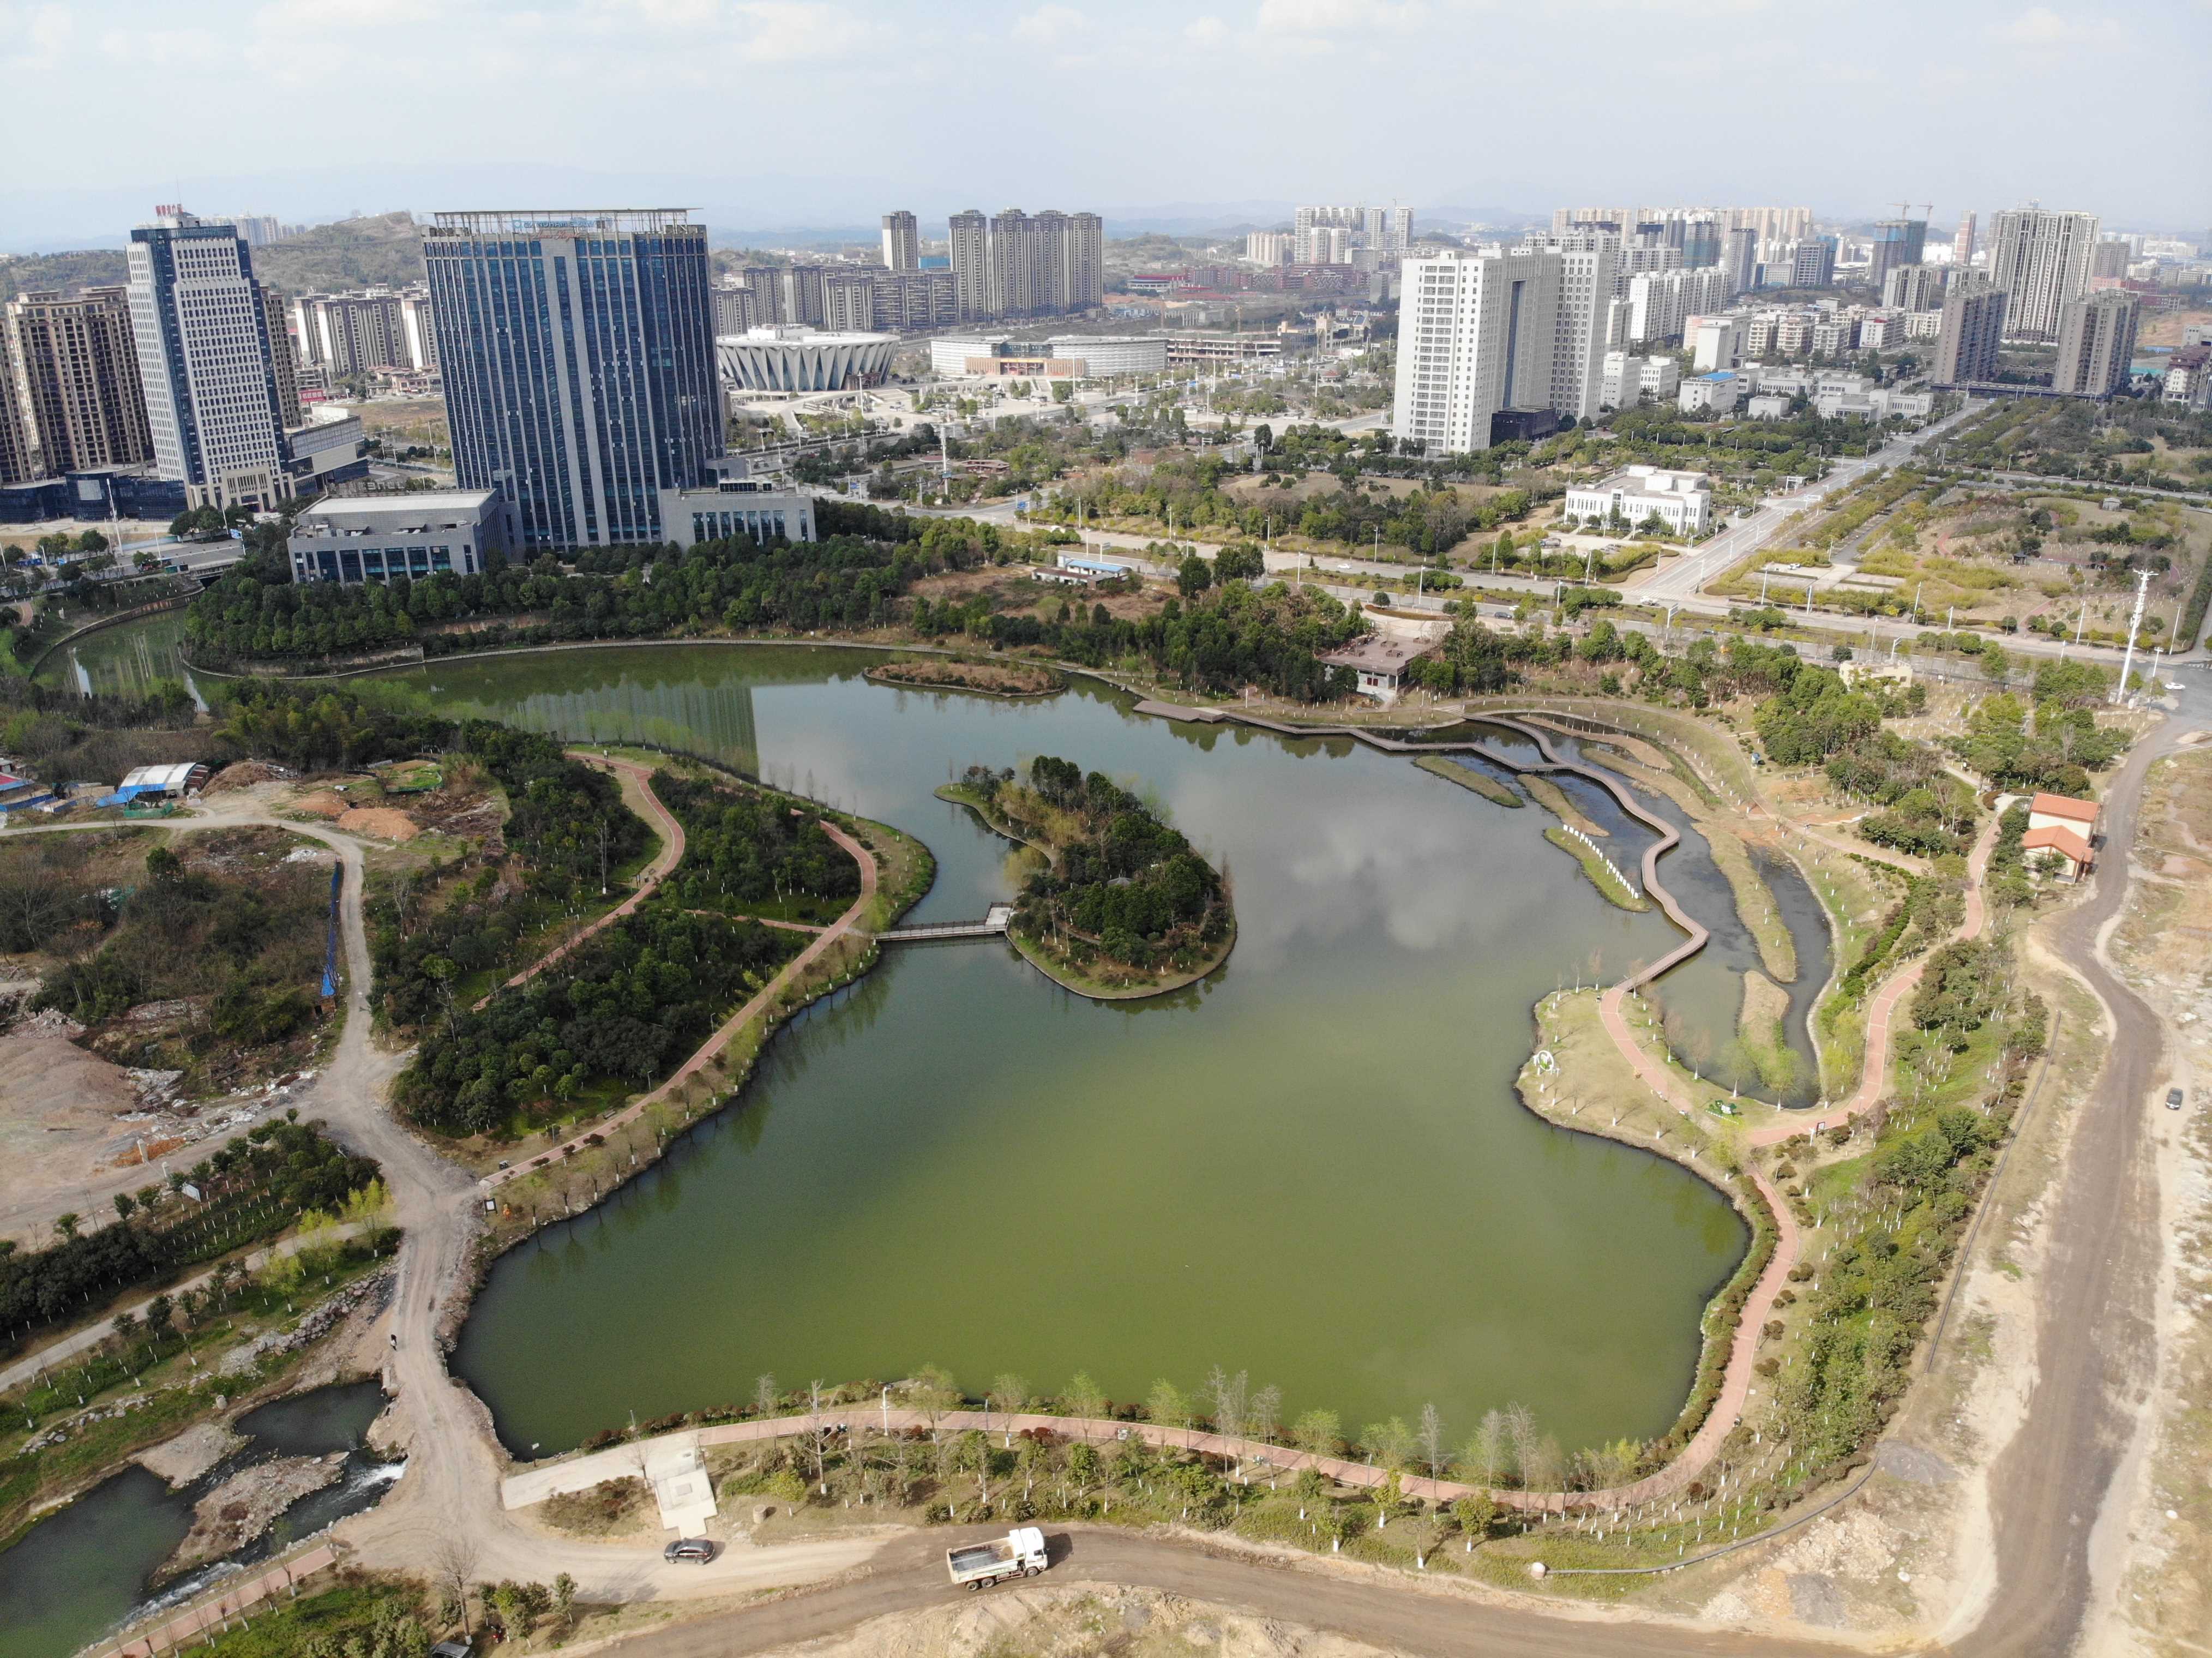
(84, 1569)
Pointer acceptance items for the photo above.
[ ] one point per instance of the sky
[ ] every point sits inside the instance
(782, 113)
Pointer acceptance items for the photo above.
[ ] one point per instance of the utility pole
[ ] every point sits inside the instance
(2135, 623)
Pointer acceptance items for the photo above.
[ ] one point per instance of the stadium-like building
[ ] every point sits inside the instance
(790, 359)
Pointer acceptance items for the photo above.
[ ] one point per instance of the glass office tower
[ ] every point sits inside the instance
(578, 351)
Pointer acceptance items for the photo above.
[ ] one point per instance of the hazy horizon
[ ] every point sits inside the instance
(796, 114)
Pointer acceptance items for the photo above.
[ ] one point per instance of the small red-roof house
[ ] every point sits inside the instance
(2077, 817)
(2055, 840)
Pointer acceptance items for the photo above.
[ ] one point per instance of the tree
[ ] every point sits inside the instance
(1086, 1398)
(1310, 1487)
(931, 1392)
(1194, 575)
(1476, 1516)
(1317, 1431)
(1432, 1434)
(1519, 1424)
(452, 1564)
(1011, 1395)
(765, 1397)
(65, 1224)
(1167, 1407)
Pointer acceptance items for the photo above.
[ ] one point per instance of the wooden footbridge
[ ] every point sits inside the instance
(995, 921)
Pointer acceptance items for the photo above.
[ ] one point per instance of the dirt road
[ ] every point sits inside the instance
(2096, 1344)
(1367, 1605)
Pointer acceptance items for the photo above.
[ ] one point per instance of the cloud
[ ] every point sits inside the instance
(1213, 32)
(1051, 25)
(2040, 28)
(1334, 17)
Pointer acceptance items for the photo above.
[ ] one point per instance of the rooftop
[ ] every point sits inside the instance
(1378, 654)
(2052, 838)
(529, 220)
(420, 501)
(2063, 805)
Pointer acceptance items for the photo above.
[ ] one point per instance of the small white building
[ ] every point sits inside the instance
(1718, 391)
(1661, 376)
(1681, 500)
(358, 538)
(736, 503)
(1768, 406)
(1719, 342)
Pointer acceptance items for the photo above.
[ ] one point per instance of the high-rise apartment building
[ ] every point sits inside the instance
(902, 241)
(75, 380)
(1017, 265)
(968, 239)
(1913, 287)
(848, 299)
(1962, 244)
(2110, 257)
(200, 324)
(1974, 328)
(737, 308)
(1397, 230)
(1812, 262)
(1580, 334)
(1268, 247)
(283, 359)
(914, 299)
(18, 459)
(1740, 259)
(1661, 303)
(2040, 259)
(578, 351)
(1896, 242)
(1475, 336)
(2096, 342)
(377, 328)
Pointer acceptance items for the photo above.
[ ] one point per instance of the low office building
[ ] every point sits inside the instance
(1767, 405)
(1063, 356)
(1717, 392)
(326, 452)
(1683, 502)
(736, 502)
(381, 537)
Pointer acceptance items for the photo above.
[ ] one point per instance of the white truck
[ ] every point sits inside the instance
(1019, 1553)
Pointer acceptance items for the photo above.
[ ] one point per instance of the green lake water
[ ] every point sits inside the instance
(1312, 1168)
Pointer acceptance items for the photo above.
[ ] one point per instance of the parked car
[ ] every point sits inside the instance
(2173, 1099)
(699, 1549)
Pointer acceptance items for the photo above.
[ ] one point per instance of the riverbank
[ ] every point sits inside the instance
(1467, 778)
(897, 871)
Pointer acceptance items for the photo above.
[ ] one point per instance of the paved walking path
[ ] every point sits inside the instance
(737, 1022)
(672, 853)
(207, 1619)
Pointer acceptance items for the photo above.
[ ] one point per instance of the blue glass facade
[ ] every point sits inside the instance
(578, 350)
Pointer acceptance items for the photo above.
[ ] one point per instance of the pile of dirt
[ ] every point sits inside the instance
(385, 823)
(323, 802)
(243, 775)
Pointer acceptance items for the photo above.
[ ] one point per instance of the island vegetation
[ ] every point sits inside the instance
(1120, 904)
(959, 673)
(750, 853)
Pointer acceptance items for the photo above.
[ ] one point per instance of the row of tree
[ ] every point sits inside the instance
(255, 1186)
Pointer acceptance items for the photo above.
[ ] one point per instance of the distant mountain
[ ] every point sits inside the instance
(90, 267)
(385, 251)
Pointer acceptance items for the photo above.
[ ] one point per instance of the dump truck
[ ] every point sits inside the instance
(1019, 1553)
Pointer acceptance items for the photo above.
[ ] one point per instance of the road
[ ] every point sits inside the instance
(909, 1576)
(1685, 577)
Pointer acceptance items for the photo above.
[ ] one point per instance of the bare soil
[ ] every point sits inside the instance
(247, 1504)
(385, 823)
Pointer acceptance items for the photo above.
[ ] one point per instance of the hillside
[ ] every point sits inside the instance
(86, 268)
(385, 249)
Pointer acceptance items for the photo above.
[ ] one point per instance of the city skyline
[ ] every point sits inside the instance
(1988, 69)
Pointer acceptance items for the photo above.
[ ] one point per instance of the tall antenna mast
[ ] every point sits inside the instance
(2135, 627)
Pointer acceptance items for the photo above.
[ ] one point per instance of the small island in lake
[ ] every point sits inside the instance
(1121, 906)
(952, 673)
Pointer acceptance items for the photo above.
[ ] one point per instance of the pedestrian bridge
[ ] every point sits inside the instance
(995, 921)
